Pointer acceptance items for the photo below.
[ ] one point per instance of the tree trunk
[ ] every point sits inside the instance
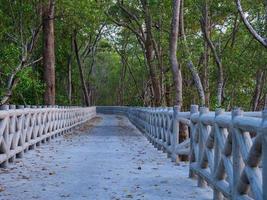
(70, 73)
(49, 51)
(218, 61)
(190, 64)
(168, 93)
(176, 70)
(149, 53)
(122, 78)
(206, 58)
(83, 83)
(257, 91)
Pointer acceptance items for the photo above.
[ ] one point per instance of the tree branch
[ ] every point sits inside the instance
(250, 28)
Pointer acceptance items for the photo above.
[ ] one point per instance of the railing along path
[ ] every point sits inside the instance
(227, 150)
(23, 128)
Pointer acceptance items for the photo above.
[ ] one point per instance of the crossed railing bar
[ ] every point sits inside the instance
(24, 127)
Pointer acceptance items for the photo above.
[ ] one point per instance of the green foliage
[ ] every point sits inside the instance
(30, 88)
(115, 68)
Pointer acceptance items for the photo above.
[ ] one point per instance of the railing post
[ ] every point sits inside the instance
(175, 132)
(12, 131)
(5, 133)
(264, 153)
(159, 147)
(20, 154)
(169, 135)
(217, 154)
(153, 127)
(203, 110)
(33, 146)
(193, 110)
(237, 159)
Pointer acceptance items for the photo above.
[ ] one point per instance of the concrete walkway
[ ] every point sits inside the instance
(107, 159)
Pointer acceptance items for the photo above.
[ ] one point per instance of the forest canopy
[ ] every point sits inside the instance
(134, 53)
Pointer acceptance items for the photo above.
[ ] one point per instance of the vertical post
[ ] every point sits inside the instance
(20, 154)
(165, 130)
(193, 110)
(50, 121)
(154, 126)
(34, 131)
(236, 154)
(203, 110)
(44, 120)
(217, 154)
(145, 122)
(157, 128)
(264, 152)
(12, 131)
(5, 134)
(175, 132)
(149, 124)
(40, 122)
(168, 136)
(29, 116)
(161, 129)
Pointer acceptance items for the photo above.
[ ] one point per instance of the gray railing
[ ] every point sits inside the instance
(228, 150)
(23, 128)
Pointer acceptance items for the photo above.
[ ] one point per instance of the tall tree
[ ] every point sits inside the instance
(70, 71)
(206, 55)
(144, 34)
(176, 70)
(81, 72)
(48, 16)
(150, 53)
(190, 64)
(263, 41)
(216, 55)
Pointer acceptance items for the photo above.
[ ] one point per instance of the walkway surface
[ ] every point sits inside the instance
(107, 159)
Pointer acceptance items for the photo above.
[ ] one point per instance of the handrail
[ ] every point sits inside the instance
(228, 150)
(24, 128)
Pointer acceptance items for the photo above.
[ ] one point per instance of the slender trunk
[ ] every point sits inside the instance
(160, 60)
(123, 73)
(153, 76)
(149, 53)
(70, 73)
(257, 91)
(206, 58)
(218, 61)
(69, 79)
(49, 51)
(190, 64)
(83, 83)
(176, 70)
(168, 93)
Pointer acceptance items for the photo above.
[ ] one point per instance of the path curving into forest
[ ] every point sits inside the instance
(108, 158)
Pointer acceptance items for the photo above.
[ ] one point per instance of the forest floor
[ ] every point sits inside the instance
(106, 159)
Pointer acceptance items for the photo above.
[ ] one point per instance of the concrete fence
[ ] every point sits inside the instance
(228, 150)
(23, 128)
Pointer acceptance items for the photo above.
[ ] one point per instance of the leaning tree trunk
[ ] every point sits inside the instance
(176, 70)
(48, 12)
(83, 83)
(149, 53)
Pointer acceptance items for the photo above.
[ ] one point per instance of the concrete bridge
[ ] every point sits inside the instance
(131, 153)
